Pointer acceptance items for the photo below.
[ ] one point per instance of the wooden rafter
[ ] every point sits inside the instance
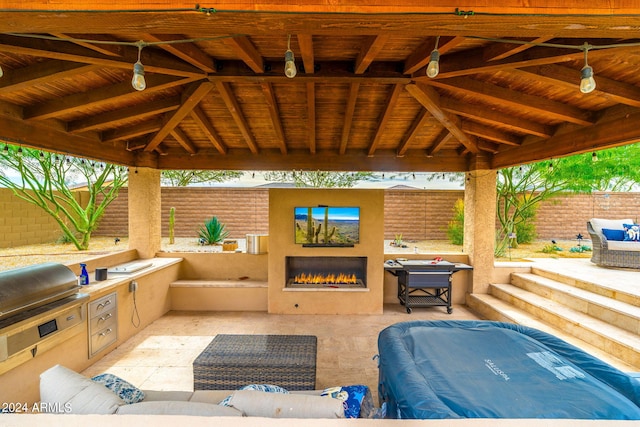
(390, 104)
(130, 132)
(417, 124)
(422, 55)
(489, 133)
(369, 51)
(53, 49)
(234, 108)
(98, 97)
(348, 116)
(41, 73)
(439, 142)
(305, 42)
(124, 115)
(429, 99)
(205, 125)
(492, 93)
(246, 50)
(103, 48)
(274, 112)
(493, 117)
(499, 51)
(188, 52)
(190, 98)
(183, 140)
(311, 117)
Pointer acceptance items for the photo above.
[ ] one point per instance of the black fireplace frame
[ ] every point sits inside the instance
(326, 265)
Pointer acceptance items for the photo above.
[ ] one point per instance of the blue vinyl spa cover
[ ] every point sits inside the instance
(482, 369)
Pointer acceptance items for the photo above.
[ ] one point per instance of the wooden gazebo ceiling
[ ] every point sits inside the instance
(219, 98)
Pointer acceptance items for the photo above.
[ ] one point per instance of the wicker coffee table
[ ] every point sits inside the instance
(232, 361)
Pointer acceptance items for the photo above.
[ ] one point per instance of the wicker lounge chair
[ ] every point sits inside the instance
(612, 253)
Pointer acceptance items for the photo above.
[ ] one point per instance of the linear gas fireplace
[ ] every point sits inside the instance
(326, 272)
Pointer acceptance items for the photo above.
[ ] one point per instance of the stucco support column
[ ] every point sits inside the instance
(480, 225)
(145, 233)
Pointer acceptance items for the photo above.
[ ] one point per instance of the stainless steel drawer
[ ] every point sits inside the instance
(102, 305)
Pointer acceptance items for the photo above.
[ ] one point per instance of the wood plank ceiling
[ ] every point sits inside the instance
(216, 95)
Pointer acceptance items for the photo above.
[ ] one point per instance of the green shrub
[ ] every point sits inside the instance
(455, 228)
(526, 228)
(212, 232)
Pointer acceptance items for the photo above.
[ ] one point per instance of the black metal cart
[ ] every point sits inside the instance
(424, 283)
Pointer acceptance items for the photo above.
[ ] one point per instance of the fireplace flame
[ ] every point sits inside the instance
(325, 279)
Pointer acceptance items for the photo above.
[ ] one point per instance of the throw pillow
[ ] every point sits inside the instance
(632, 232)
(611, 234)
(356, 400)
(267, 388)
(123, 389)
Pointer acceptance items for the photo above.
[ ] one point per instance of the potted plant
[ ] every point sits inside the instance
(213, 232)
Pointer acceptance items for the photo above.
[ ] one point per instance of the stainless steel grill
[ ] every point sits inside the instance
(37, 302)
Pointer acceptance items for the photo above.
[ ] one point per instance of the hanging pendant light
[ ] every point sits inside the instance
(138, 81)
(434, 64)
(289, 61)
(587, 83)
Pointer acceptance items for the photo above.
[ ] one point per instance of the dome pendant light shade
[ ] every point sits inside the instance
(587, 83)
(138, 81)
(434, 67)
(1, 72)
(289, 64)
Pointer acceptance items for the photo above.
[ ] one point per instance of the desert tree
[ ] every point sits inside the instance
(183, 178)
(319, 179)
(47, 180)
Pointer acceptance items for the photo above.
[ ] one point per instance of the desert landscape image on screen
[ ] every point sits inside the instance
(327, 225)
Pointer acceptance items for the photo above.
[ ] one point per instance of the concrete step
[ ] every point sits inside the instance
(616, 341)
(496, 309)
(617, 292)
(610, 310)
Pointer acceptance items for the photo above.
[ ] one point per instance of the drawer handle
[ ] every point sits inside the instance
(104, 304)
(105, 333)
(103, 318)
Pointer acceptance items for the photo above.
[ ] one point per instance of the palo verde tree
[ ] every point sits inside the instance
(183, 178)
(521, 188)
(319, 179)
(44, 179)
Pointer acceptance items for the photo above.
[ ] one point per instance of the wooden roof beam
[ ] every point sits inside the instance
(466, 63)
(417, 124)
(154, 61)
(190, 98)
(205, 125)
(274, 112)
(130, 132)
(604, 134)
(623, 93)
(311, 116)
(247, 51)
(389, 106)
(495, 94)
(369, 51)
(234, 108)
(489, 133)
(493, 117)
(430, 99)
(41, 73)
(102, 48)
(422, 55)
(498, 51)
(100, 97)
(439, 142)
(183, 140)
(305, 43)
(124, 115)
(348, 116)
(188, 52)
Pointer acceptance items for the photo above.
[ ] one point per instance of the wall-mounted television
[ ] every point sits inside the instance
(327, 225)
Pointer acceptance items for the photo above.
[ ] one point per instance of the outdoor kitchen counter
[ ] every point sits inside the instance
(116, 279)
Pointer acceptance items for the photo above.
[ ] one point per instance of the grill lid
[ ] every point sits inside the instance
(34, 286)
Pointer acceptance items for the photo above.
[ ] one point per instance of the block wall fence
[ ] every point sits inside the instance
(416, 214)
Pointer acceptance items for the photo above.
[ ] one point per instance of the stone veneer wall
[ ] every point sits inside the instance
(417, 214)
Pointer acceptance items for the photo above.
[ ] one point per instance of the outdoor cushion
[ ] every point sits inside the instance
(599, 223)
(632, 232)
(284, 405)
(611, 234)
(160, 407)
(125, 390)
